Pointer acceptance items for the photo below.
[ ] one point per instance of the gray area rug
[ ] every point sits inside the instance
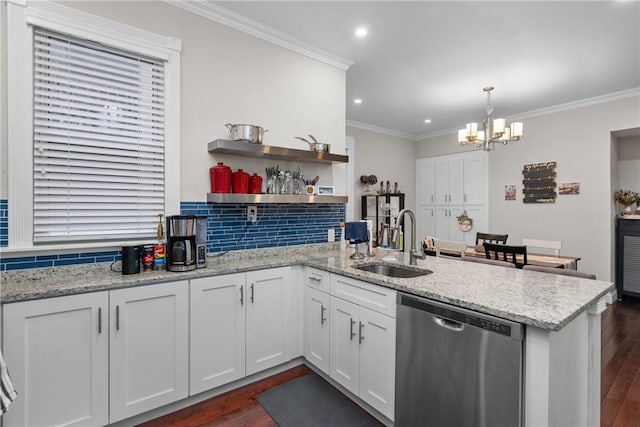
(310, 401)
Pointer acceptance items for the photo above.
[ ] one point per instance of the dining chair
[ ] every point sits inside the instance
(489, 261)
(491, 238)
(506, 253)
(554, 245)
(560, 271)
(451, 247)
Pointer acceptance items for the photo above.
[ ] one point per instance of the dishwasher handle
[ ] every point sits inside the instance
(448, 324)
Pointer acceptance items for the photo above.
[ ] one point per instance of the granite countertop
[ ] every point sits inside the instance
(538, 299)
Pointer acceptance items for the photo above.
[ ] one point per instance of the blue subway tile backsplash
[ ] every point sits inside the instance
(227, 229)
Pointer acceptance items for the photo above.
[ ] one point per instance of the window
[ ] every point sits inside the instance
(98, 140)
(93, 120)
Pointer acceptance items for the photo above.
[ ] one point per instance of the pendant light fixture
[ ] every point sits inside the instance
(495, 130)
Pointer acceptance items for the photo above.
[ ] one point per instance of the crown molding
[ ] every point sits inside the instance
(378, 129)
(254, 28)
(610, 97)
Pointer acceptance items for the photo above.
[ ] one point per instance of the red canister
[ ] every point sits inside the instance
(255, 184)
(240, 181)
(220, 178)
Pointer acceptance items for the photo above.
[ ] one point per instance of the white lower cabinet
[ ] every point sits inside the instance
(268, 309)
(317, 331)
(363, 341)
(57, 350)
(239, 326)
(96, 358)
(217, 331)
(148, 356)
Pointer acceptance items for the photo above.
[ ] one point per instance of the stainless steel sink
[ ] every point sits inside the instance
(393, 270)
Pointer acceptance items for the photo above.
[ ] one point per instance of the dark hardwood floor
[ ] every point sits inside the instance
(620, 392)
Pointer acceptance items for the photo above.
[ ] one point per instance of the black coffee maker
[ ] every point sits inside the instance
(181, 243)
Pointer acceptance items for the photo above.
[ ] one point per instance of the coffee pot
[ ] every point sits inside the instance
(181, 243)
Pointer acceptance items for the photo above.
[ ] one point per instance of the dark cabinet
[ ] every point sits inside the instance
(628, 257)
(383, 210)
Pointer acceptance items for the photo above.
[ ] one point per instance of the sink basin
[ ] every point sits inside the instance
(391, 270)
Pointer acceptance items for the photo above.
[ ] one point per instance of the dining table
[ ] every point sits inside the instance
(543, 260)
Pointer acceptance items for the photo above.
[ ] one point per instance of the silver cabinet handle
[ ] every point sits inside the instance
(117, 317)
(241, 294)
(251, 293)
(315, 279)
(99, 320)
(360, 336)
(465, 197)
(352, 334)
(322, 318)
(432, 197)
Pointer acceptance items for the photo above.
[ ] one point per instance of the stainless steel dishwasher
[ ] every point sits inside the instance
(456, 367)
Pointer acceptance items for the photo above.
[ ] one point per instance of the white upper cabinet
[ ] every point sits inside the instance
(474, 181)
(449, 182)
(426, 182)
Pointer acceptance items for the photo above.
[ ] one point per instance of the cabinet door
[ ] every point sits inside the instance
(474, 181)
(454, 232)
(456, 182)
(442, 222)
(442, 181)
(426, 182)
(149, 347)
(217, 331)
(267, 311)
(344, 344)
(57, 351)
(426, 223)
(479, 216)
(317, 329)
(377, 336)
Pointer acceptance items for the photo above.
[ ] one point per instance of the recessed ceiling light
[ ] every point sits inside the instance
(427, 121)
(357, 101)
(361, 31)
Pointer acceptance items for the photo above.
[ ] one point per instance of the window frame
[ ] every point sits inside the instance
(22, 16)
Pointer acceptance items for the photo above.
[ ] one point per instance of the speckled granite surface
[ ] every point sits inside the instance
(543, 300)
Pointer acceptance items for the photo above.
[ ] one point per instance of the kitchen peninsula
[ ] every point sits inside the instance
(561, 314)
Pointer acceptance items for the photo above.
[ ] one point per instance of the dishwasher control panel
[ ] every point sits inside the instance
(467, 317)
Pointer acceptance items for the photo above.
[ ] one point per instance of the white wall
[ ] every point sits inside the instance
(389, 158)
(628, 156)
(579, 140)
(229, 76)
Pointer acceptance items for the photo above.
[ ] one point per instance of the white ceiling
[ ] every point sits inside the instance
(428, 59)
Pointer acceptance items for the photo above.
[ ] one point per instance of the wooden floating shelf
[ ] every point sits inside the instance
(242, 148)
(272, 198)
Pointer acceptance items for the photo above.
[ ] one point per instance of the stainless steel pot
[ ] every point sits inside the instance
(248, 133)
(315, 145)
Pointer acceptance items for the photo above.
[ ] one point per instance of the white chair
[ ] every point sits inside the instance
(554, 245)
(450, 247)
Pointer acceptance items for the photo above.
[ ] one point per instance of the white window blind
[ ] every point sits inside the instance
(98, 140)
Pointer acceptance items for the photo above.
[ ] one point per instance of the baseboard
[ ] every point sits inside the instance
(192, 400)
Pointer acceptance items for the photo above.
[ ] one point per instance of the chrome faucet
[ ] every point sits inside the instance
(414, 255)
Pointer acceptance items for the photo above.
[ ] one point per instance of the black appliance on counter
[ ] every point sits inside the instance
(181, 243)
(201, 241)
(131, 259)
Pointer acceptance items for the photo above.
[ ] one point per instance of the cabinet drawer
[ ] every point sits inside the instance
(317, 279)
(377, 298)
